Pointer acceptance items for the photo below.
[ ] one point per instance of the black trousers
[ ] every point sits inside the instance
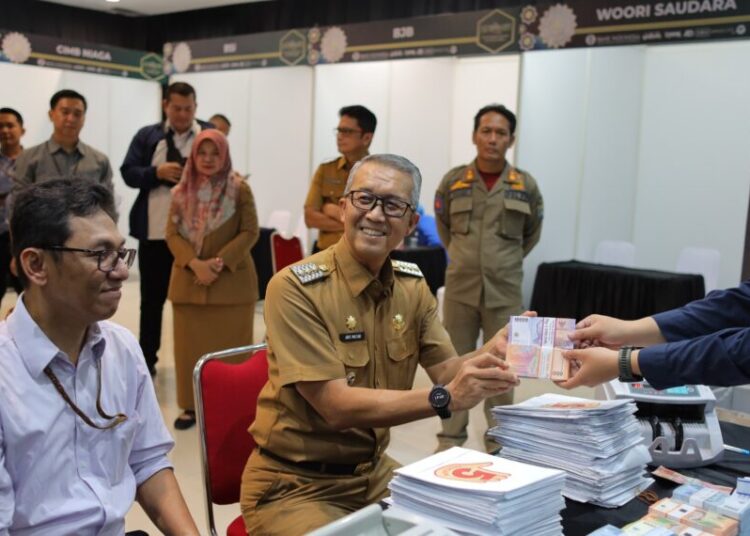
(155, 264)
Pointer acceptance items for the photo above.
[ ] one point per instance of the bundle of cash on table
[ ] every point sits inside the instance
(597, 442)
(476, 493)
(535, 346)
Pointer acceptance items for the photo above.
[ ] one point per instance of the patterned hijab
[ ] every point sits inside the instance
(203, 203)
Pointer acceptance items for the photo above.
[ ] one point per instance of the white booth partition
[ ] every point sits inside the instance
(117, 108)
(644, 144)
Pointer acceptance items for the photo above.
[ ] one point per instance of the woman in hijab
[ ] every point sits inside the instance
(213, 287)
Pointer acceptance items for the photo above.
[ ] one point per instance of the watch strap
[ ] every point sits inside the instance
(625, 366)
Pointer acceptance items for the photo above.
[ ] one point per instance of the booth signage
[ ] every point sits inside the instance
(576, 23)
(28, 49)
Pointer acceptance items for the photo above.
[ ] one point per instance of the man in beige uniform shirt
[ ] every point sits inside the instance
(346, 329)
(489, 217)
(353, 137)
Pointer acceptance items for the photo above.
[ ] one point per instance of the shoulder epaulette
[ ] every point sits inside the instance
(408, 268)
(310, 271)
(456, 173)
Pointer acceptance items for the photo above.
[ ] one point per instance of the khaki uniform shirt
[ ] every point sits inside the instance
(487, 234)
(343, 323)
(49, 160)
(328, 186)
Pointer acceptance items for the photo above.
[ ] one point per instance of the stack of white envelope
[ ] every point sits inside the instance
(597, 442)
(476, 493)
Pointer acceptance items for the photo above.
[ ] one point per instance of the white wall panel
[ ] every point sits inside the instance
(341, 85)
(606, 203)
(478, 82)
(280, 120)
(124, 121)
(117, 108)
(228, 93)
(28, 89)
(693, 175)
(419, 125)
(551, 146)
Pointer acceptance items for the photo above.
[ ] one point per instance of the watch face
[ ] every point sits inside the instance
(439, 397)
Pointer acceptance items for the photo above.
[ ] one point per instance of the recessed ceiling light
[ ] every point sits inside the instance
(112, 1)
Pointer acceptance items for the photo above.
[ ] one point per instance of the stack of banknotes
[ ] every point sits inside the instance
(669, 517)
(597, 442)
(473, 492)
(535, 346)
(696, 508)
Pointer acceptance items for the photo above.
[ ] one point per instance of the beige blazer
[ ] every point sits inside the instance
(238, 282)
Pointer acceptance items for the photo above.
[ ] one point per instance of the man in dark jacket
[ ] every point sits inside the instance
(154, 164)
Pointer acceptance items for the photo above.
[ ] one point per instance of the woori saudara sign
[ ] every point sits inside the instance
(665, 9)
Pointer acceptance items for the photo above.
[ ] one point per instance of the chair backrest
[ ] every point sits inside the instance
(279, 220)
(285, 251)
(704, 261)
(615, 252)
(226, 395)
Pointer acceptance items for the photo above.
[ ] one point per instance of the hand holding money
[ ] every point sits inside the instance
(498, 345)
(478, 378)
(536, 345)
(589, 367)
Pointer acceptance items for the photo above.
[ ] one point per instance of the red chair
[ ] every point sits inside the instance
(285, 251)
(226, 395)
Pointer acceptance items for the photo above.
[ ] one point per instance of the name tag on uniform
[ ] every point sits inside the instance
(519, 195)
(352, 337)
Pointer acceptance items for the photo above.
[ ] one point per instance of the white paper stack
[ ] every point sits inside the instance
(597, 442)
(477, 493)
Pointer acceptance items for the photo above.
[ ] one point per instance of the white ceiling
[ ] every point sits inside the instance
(148, 7)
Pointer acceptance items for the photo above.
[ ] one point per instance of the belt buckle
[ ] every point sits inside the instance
(364, 467)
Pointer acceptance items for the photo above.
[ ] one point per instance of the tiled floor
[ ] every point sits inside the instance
(409, 442)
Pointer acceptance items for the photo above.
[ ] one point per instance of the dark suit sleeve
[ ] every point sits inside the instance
(721, 358)
(719, 310)
(709, 342)
(136, 169)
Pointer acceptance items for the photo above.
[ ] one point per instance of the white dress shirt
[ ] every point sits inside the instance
(58, 475)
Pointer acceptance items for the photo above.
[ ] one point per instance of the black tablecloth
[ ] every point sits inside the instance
(430, 259)
(261, 253)
(574, 289)
(580, 519)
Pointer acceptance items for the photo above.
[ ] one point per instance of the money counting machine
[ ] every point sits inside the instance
(679, 425)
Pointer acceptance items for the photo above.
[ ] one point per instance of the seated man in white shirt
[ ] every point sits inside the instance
(81, 434)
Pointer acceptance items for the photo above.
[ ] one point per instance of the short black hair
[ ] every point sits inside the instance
(365, 118)
(41, 213)
(498, 109)
(179, 88)
(67, 94)
(12, 112)
(223, 118)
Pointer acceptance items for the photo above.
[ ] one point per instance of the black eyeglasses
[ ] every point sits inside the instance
(107, 259)
(347, 131)
(367, 201)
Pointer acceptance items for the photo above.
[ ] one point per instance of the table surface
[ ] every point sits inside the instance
(580, 519)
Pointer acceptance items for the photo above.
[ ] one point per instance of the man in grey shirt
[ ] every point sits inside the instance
(64, 155)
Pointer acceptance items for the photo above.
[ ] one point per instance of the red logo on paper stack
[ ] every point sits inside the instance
(472, 472)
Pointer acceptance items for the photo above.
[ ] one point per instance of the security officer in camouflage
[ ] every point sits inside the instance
(346, 330)
(353, 138)
(489, 217)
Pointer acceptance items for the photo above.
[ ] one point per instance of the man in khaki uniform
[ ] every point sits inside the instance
(346, 329)
(489, 217)
(322, 211)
